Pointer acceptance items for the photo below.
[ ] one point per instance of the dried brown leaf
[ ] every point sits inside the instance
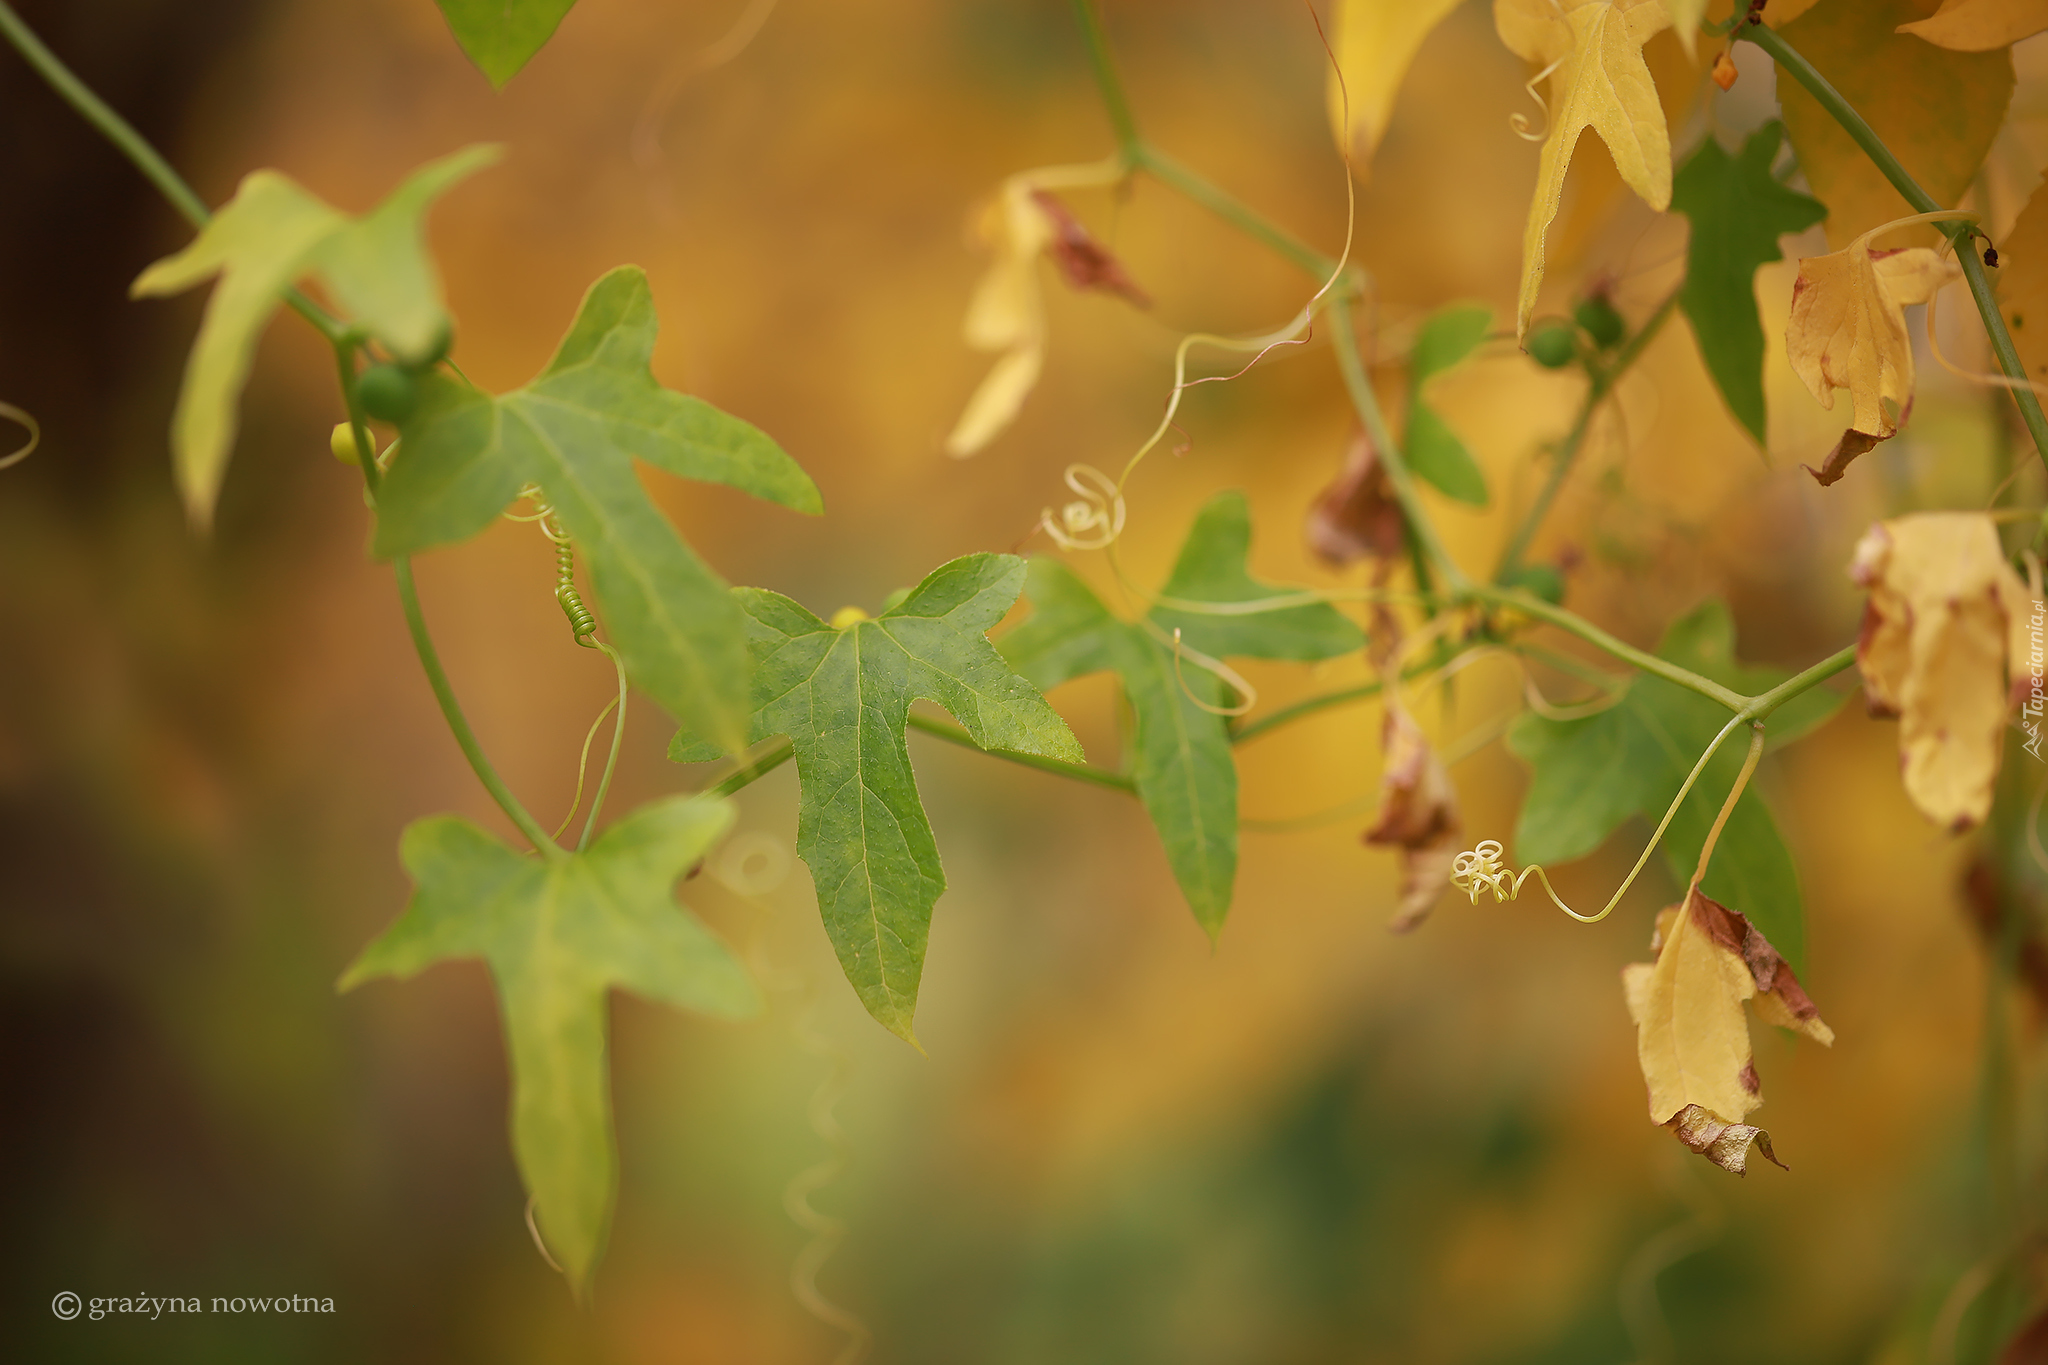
(1725, 1144)
(1418, 814)
(1356, 517)
(1083, 261)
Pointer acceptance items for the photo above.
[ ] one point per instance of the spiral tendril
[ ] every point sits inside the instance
(1523, 127)
(1093, 520)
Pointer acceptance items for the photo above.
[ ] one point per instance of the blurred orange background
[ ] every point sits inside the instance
(1314, 1143)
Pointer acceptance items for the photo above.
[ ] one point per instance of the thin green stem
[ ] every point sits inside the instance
(1881, 156)
(1531, 605)
(1602, 383)
(1308, 706)
(611, 763)
(131, 144)
(1114, 101)
(767, 763)
(1761, 706)
(451, 711)
(1083, 772)
(1231, 210)
(96, 111)
(1359, 385)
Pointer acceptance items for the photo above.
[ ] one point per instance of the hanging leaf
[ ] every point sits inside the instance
(501, 36)
(575, 430)
(842, 692)
(2023, 284)
(1600, 82)
(1180, 757)
(1375, 42)
(1692, 1039)
(1592, 774)
(1946, 626)
(1937, 111)
(1738, 210)
(1848, 330)
(1434, 451)
(1981, 25)
(558, 933)
(1418, 814)
(270, 235)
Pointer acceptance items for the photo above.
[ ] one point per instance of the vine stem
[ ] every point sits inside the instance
(451, 710)
(131, 144)
(1602, 384)
(1881, 156)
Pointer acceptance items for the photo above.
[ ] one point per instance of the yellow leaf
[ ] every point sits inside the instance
(1981, 25)
(1692, 1039)
(1376, 40)
(1848, 327)
(1938, 111)
(1685, 21)
(1944, 628)
(1007, 312)
(1600, 81)
(2023, 283)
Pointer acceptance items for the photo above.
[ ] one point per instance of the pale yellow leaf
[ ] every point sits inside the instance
(1981, 25)
(1600, 81)
(2023, 283)
(1685, 22)
(1848, 327)
(1942, 634)
(1376, 40)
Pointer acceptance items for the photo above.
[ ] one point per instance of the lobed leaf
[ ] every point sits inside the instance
(1181, 756)
(575, 430)
(842, 693)
(1433, 450)
(558, 933)
(271, 234)
(1738, 210)
(1592, 774)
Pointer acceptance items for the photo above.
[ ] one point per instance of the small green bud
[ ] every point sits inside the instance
(386, 393)
(1552, 345)
(1596, 314)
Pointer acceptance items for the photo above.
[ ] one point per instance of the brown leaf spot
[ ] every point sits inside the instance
(1086, 263)
(1725, 1144)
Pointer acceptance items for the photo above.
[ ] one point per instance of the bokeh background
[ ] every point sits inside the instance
(1315, 1143)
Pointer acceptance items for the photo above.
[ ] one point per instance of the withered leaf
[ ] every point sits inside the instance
(1944, 625)
(1418, 814)
(1355, 516)
(1844, 453)
(1725, 1144)
(1692, 1039)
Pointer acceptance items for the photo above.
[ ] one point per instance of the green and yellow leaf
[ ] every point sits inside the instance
(502, 36)
(270, 235)
(558, 933)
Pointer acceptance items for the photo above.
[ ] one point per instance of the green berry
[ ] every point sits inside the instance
(1596, 314)
(386, 393)
(342, 441)
(1552, 345)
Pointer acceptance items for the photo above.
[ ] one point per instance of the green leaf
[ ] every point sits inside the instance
(1181, 756)
(842, 694)
(1590, 775)
(575, 431)
(271, 234)
(1434, 451)
(558, 933)
(501, 36)
(1739, 210)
